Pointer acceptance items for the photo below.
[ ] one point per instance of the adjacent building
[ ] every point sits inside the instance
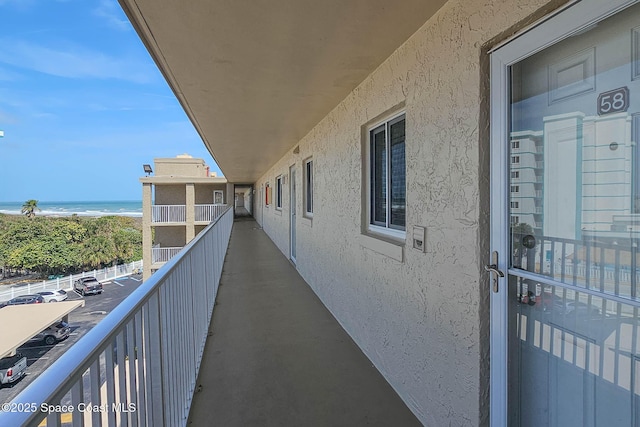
(178, 201)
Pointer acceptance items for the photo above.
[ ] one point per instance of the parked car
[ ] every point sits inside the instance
(26, 299)
(53, 333)
(12, 368)
(54, 296)
(87, 285)
(576, 307)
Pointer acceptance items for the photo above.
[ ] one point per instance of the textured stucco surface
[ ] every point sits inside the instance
(423, 321)
(180, 166)
(204, 193)
(170, 194)
(172, 236)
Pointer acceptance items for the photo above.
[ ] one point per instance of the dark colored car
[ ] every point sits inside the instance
(26, 299)
(87, 285)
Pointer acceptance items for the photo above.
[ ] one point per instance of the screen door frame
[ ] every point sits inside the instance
(553, 29)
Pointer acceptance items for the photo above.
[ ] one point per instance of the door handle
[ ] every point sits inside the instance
(493, 268)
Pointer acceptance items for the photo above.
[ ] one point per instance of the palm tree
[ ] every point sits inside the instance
(30, 207)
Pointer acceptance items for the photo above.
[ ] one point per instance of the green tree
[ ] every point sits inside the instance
(67, 245)
(98, 251)
(30, 207)
(126, 241)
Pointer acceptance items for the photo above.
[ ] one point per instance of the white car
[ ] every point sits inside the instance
(53, 333)
(54, 296)
(12, 368)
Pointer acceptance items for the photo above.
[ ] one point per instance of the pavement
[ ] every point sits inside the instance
(277, 357)
(81, 320)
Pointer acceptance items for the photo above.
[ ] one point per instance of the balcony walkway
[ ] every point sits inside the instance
(277, 357)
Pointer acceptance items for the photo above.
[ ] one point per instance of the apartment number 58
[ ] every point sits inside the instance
(613, 101)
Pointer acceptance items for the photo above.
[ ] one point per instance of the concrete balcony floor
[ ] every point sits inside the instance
(277, 357)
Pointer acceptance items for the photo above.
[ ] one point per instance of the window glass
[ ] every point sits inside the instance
(309, 186)
(398, 173)
(379, 177)
(279, 192)
(388, 174)
(574, 258)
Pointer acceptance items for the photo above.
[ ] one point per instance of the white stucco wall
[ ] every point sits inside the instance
(422, 322)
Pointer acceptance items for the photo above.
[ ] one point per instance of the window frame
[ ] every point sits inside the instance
(279, 192)
(215, 192)
(388, 229)
(307, 193)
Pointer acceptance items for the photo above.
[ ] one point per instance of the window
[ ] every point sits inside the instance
(515, 219)
(515, 205)
(515, 188)
(308, 188)
(515, 144)
(279, 192)
(515, 174)
(218, 197)
(387, 176)
(515, 159)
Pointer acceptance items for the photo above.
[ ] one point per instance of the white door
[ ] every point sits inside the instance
(565, 221)
(292, 211)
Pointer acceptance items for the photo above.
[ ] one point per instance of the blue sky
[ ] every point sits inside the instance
(82, 105)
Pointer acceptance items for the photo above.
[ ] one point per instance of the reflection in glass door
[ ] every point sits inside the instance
(573, 350)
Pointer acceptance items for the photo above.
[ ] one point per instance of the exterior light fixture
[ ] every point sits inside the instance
(147, 169)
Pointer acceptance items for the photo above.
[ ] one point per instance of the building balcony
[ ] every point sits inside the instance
(160, 255)
(204, 214)
(168, 214)
(177, 214)
(269, 354)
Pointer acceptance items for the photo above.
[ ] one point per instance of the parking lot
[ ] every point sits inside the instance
(81, 320)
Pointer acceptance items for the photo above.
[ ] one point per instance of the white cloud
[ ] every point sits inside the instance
(111, 13)
(74, 61)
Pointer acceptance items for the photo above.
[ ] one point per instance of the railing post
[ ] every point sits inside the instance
(634, 266)
(155, 363)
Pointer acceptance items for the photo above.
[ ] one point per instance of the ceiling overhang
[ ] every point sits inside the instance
(255, 77)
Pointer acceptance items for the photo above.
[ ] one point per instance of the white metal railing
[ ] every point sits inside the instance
(168, 213)
(208, 212)
(160, 254)
(12, 291)
(139, 365)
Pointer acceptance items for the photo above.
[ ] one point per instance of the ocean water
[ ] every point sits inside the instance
(123, 208)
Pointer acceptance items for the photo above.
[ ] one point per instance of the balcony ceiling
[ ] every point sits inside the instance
(256, 76)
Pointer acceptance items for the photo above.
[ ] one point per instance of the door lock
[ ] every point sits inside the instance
(493, 268)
